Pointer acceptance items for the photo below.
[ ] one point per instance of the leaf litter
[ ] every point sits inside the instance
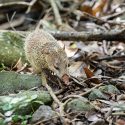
(95, 91)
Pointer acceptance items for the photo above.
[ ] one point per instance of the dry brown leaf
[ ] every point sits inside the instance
(98, 7)
(120, 122)
(65, 79)
(86, 7)
(75, 69)
(90, 74)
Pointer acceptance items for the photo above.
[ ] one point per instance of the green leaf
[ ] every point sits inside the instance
(109, 89)
(97, 94)
(79, 105)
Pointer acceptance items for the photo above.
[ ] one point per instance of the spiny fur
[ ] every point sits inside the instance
(43, 52)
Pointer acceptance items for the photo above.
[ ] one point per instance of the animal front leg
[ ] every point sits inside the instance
(61, 105)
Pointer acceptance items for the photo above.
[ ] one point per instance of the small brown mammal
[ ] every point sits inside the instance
(43, 52)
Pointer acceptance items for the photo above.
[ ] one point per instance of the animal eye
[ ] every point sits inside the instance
(56, 67)
(56, 64)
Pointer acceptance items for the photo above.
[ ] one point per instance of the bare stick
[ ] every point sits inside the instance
(30, 5)
(84, 93)
(13, 23)
(118, 35)
(114, 15)
(111, 57)
(14, 3)
(61, 105)
(56, 12)
(99, 21)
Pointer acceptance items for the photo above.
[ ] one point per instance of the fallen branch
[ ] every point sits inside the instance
(109, 58)
(56, 12)
(117, 35)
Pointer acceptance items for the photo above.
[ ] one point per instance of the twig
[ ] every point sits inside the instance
(2, 116)
(118, 113)
(87, 92)
(56, 12)
(114, 15)
(14, 3)
(19, 3)
(99, 21)
(118, 35)
(111, 57)
(61, 105)
(30, 5)
(82, 94)
(13, 23)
